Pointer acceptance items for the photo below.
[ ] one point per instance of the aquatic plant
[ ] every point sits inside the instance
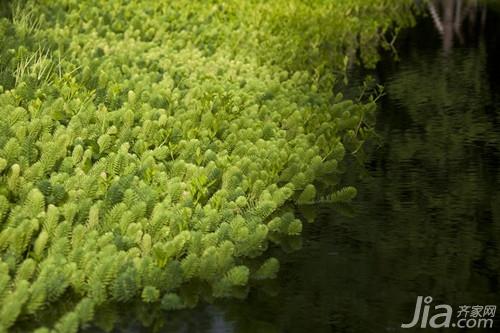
(148, 146)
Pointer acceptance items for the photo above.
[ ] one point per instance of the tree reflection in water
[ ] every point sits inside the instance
(449, 16)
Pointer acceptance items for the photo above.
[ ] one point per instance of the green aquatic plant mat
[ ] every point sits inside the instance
(146, 146)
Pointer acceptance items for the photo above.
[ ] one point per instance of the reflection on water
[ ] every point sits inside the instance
(449, 17)
(427, 219)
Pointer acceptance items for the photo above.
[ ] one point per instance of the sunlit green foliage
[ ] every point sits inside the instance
(147, 145)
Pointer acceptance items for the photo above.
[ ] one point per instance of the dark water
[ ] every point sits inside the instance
(427, 218)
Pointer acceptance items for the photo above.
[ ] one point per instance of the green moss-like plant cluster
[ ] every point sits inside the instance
(146, 146)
